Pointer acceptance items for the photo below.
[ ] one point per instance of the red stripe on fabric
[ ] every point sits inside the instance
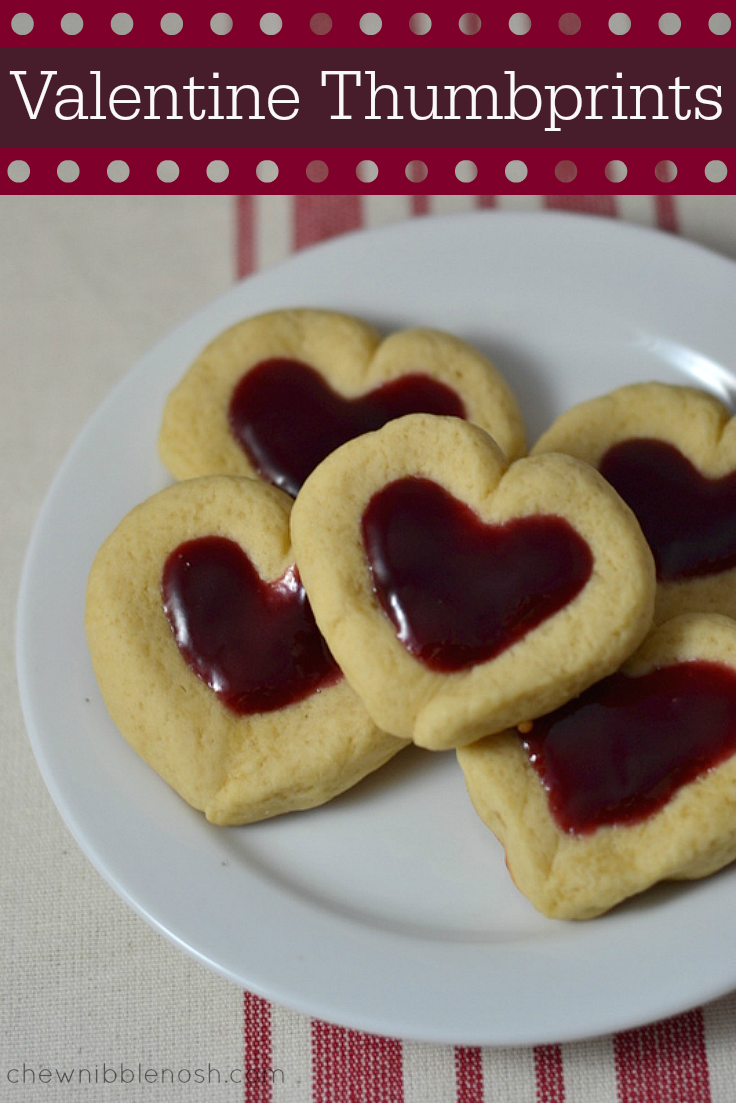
(666, 213)
(350, 1067)
(585, 204)
(468, 1075)
(487, 201)
(319, 217)
(549, 1074)
(245, 252)
(257, 1079)
(663, 1063)
(420, 204)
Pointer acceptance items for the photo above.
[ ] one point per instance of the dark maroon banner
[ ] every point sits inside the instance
(294, 98)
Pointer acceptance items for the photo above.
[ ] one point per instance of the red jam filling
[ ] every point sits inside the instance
(689, 521)
(254, 643)
(287, 419)
(458, 591)
(620, 751)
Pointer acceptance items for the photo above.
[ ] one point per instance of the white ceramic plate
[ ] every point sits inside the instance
(389, 910)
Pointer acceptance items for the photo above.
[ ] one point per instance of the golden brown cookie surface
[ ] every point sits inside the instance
(671, 453)
(273, 395)
(631, 784)
(210, 663)
(461, 595)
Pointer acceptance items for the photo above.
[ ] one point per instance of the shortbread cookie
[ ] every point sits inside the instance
(632, 783)
(274, 395)
(461, 595)
(209, 660)
(670, 452)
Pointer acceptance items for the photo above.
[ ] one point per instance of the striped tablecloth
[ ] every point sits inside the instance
(95, 1005)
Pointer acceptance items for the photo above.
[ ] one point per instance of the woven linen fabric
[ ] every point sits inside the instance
(93, 999)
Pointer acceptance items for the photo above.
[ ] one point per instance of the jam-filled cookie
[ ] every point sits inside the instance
(632, 783)
(670, 452)
(274, 395)
(460, 594)
(210, 663)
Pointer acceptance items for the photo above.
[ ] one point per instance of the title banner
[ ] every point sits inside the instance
(297, 98)
(601, 101)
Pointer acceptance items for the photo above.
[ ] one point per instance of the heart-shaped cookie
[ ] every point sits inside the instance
(210, 662)
(460, 595)
(670, 452)
(274, 395)
(632, 783)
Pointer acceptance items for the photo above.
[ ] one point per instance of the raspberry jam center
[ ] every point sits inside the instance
(287, 419)
(689, 521)
(459, 591)
(254, 643)
(619, 752)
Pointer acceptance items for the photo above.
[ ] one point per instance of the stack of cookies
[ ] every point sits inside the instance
(359, 555)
